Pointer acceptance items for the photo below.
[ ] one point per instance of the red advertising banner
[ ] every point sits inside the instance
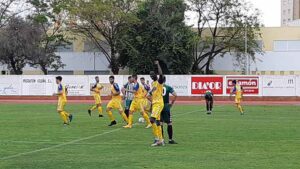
(250, 84)
(200, 85)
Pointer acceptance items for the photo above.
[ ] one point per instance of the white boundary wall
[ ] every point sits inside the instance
(184, 85)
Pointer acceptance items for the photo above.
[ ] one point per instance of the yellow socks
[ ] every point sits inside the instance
(240, 108)
(111, 116)
(100, 110)
(124, 117)
(159, 133)
(146, 117)
(130, 119)
(64, 117)
(154, 130)
(93, 108)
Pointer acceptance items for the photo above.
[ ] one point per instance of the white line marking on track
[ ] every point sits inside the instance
(75, 141)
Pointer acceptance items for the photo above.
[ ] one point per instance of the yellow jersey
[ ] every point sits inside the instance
(140, 91)
(238, 91)
(157, 94)
(62, 89)
(114, 88)
(97, 89)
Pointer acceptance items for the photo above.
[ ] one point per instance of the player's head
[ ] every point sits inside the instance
(142, 79)
(111, 79)
(97, 79)
(134, 77)
(234, 82)
(129, 79)
(58, 79)
(153, 75)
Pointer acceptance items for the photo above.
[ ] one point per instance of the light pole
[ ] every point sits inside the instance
(246, 52)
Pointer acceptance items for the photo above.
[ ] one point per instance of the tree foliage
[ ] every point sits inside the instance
(221, 28)
(101, 21)
(18, 41)
(47, 15)
(161, 35)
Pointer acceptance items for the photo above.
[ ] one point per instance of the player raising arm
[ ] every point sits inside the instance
(115, 102)
(97, 97)
(62, 101)
(166, 116)
(157, 105)
(238, 92)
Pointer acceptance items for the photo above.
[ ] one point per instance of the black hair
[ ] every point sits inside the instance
(59, 78)
(135, 77)
(234, 81)
(112, 77)
(142, 78)
(129, 77)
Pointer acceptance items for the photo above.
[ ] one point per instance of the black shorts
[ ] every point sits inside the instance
(166, 116)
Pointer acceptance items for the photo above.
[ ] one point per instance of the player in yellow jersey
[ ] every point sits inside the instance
(96, 89)
(147, 103)
(62, 101)
(156, 94)
(115, 102)
(238, 92)
(138, 103)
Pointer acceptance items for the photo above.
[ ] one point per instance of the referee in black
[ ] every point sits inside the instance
(209, 98)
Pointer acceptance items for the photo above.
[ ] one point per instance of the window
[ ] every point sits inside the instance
(65, 48)
(285, 46)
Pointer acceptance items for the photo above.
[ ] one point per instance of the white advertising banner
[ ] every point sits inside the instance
(298, 85)
(279, 85)
(180, 84)
(10, 85)
(38, 85)
(104, 80)
(77, 85)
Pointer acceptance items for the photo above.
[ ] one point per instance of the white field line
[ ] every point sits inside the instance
(72, 142)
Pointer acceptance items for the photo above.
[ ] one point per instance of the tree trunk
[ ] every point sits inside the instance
(207, 67)
(44, 69)
(16, 70)
(114, 63)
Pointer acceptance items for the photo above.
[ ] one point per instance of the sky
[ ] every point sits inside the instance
(271, 11)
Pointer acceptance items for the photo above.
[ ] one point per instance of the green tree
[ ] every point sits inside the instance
(101, 22)
(47, 15)
(19, 40)
(161, 35)
(221, 27)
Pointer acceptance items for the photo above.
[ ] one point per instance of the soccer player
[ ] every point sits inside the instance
(146, 86)
(238, 92)
(62, 101)
(138, 103)
(115, 102)
(128, 96)
(166, 116)
(97, 97)
(209, 98)
(157, 105)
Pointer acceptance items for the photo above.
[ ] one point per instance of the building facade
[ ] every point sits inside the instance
(290, 12)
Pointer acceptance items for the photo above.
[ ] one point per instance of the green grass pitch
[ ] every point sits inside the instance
(32, 137)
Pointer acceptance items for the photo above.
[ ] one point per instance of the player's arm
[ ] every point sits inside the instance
(160, 73)
(174, 98)
(123, 90)
(117, 89)
(59, 91)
